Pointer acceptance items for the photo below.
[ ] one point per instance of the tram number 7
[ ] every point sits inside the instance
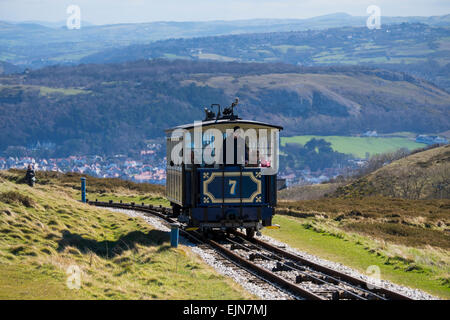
(232, 183)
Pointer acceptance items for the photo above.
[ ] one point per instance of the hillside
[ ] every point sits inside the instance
(396, 218)
(7, 68)
(417, 49)
(422, 175)
(22, 42)
(114, 108)
(45, 230)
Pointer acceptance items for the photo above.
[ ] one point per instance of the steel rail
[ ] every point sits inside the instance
(264, 274)
(267, 275)
(326, 270)
(298, 268)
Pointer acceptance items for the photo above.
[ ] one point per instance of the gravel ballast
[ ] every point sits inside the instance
(247, 280)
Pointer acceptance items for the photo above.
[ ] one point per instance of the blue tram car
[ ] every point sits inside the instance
(224, 194)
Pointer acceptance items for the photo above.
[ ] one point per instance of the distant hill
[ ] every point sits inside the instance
(49, 24)
(417, 49)
(37, 43)
(114, 108)
(339, 19)
(7, 68)
(422, 175)
(344, 45)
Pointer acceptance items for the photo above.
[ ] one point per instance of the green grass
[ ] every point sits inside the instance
(45, 229)
(358, 252)
(359, 146)
(22, 282)
(175, 56)
(43, 91)
(67, 92)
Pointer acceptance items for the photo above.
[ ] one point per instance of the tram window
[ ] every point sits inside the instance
(256, 155)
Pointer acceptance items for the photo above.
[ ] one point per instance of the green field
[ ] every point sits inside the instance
(359, 146)
(68, 91)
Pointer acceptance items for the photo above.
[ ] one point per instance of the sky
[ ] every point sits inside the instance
(132, 11)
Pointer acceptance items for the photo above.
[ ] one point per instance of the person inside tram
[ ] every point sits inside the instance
(238, 157)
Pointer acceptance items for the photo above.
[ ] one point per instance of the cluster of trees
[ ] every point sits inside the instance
(419, 183)
(430, 70)
(316, 154)
(378, 161)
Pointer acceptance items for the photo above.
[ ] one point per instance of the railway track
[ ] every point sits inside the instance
(302, 278)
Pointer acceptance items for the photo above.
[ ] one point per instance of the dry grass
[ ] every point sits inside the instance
(309, 192)
(424, 213)
(94, 185)
(96, 188)
(399, 233)
(417, 223)
(14, 197)
(422, 175)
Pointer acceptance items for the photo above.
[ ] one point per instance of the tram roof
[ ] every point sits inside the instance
(220, 122)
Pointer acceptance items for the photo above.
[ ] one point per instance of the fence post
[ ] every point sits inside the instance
(174, 235)
(83, 189)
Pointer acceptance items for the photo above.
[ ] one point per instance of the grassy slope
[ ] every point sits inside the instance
(349, 90)
(423, 269)
(109, 189)
(415, 176)
(44, 231)
(408, 239)
(411, 222)
(358, 146)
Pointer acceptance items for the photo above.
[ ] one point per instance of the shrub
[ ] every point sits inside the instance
(14, 197)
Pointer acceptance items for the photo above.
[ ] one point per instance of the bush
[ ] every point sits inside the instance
(14, 197)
